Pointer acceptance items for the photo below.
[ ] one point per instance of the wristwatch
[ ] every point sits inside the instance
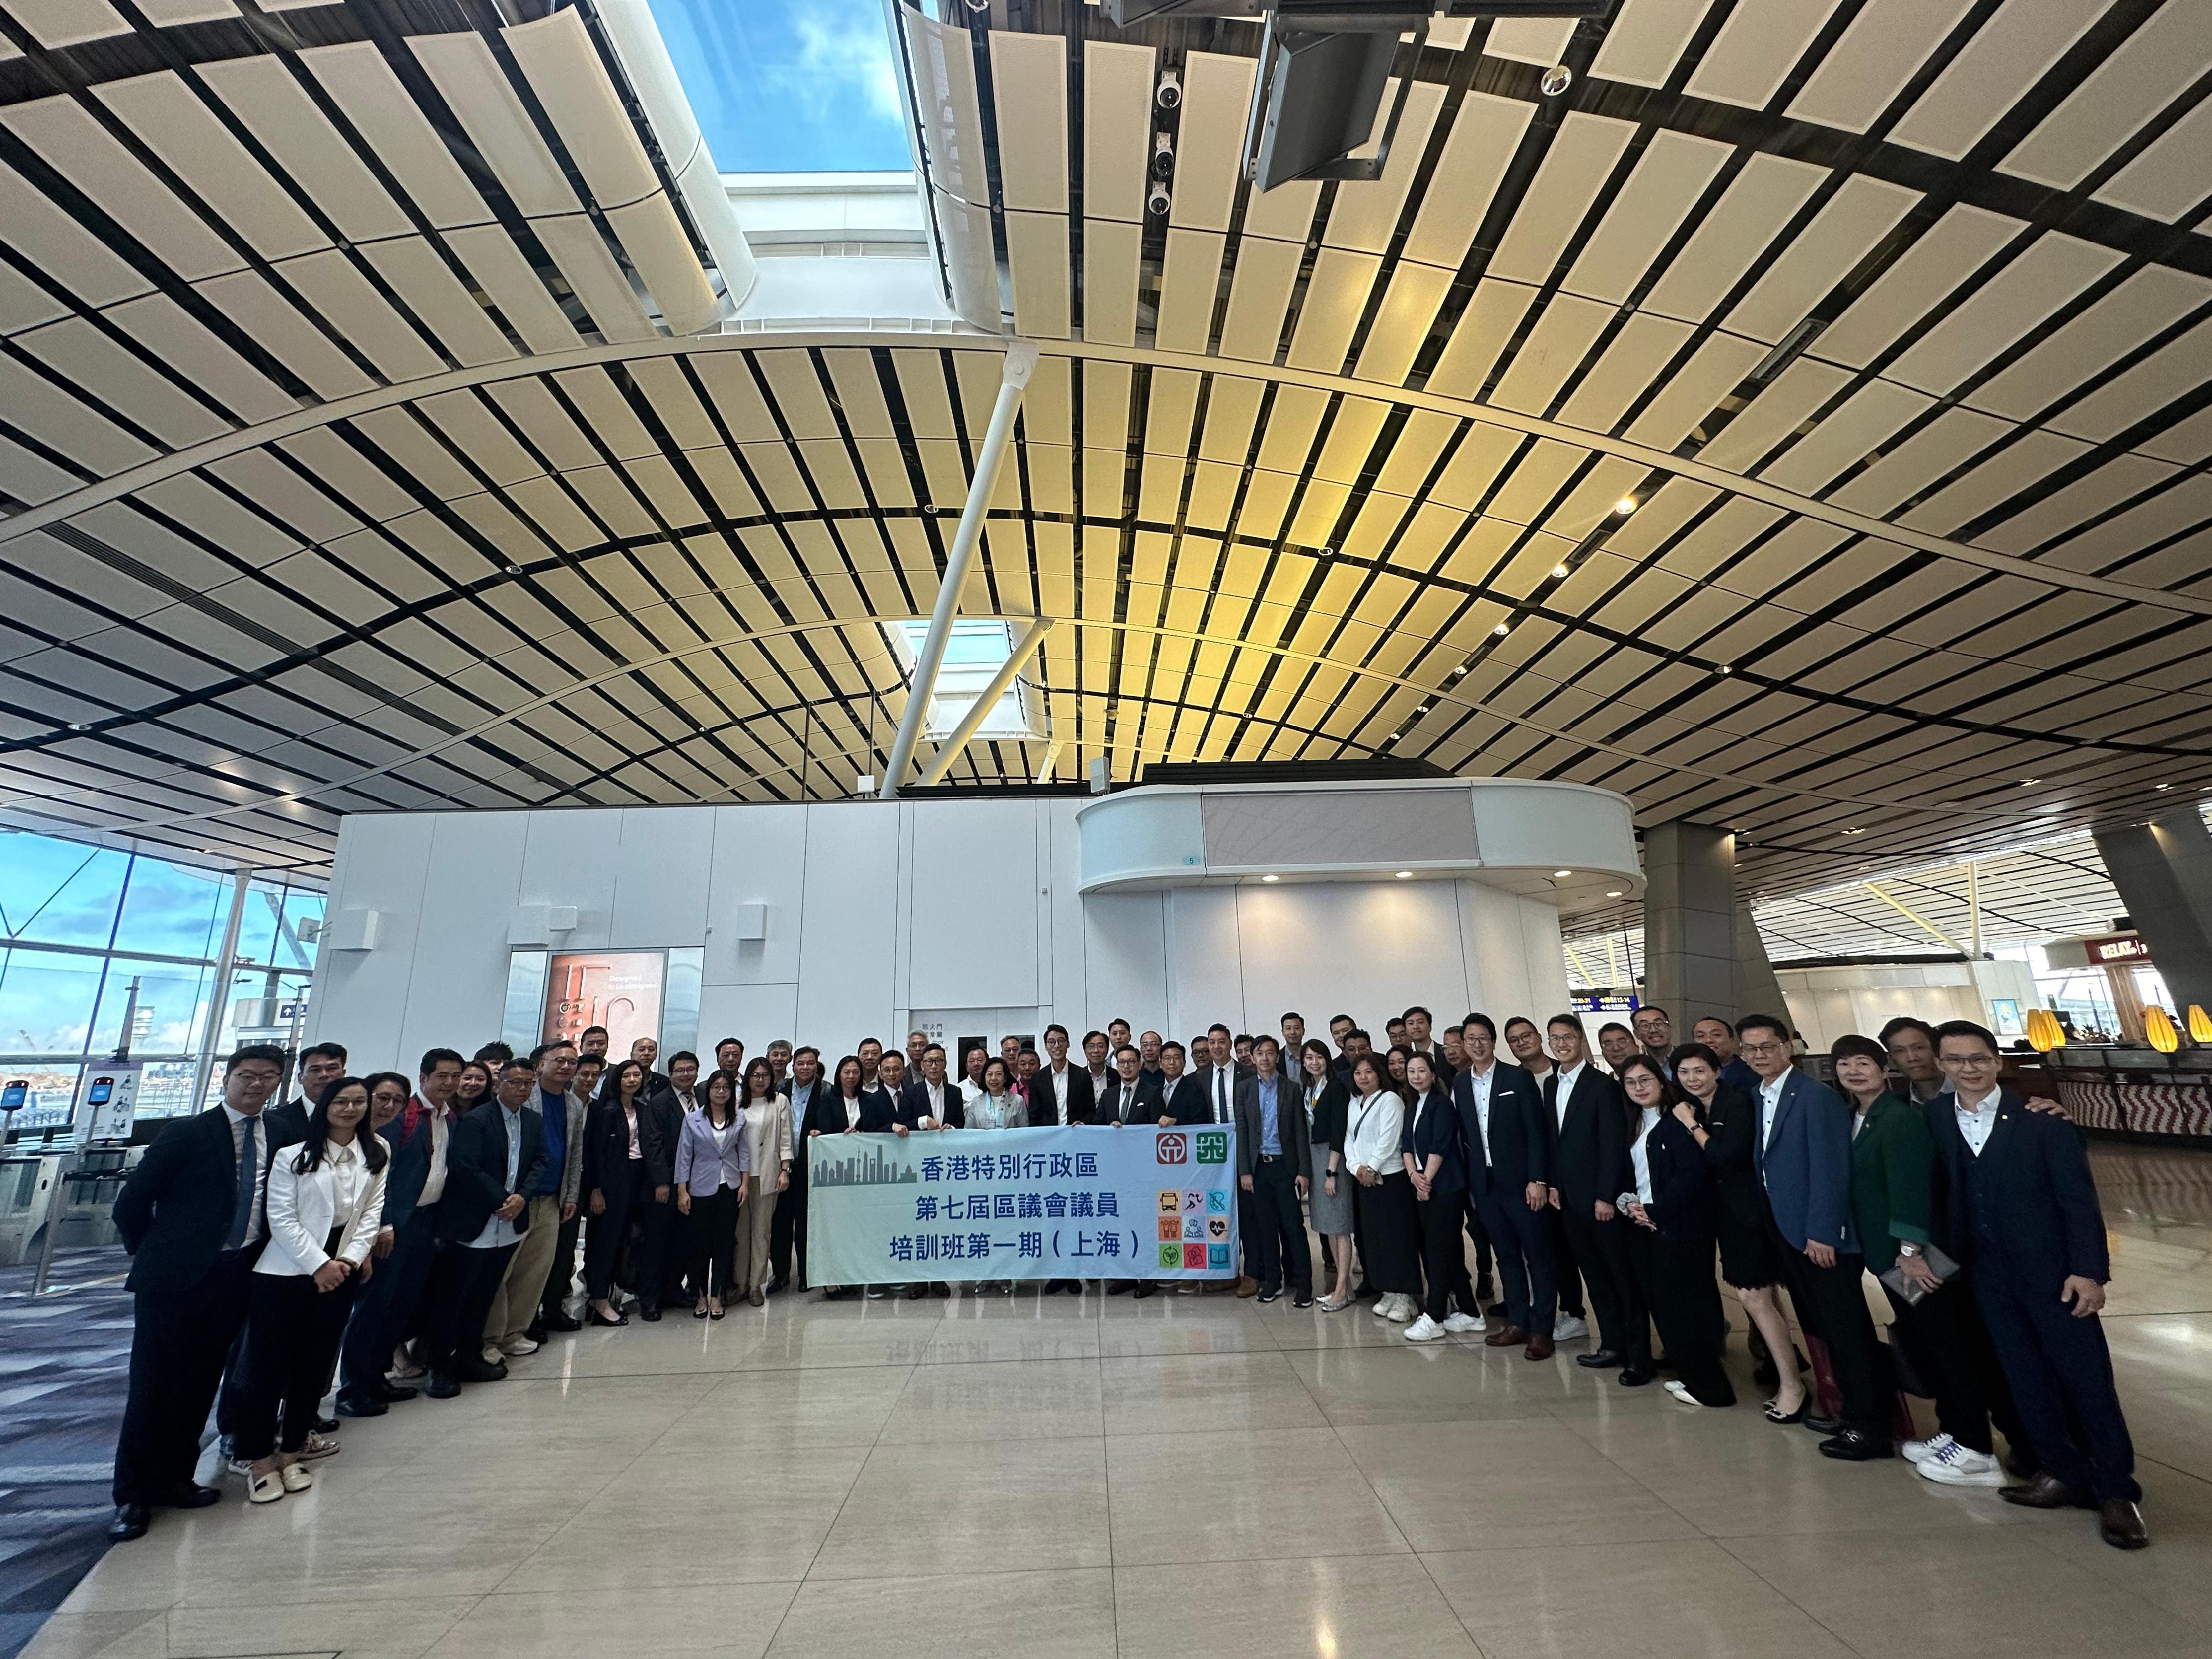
(1908, 1249)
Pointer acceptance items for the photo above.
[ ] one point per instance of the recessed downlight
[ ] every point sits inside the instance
(1405, 875)
(1271, 878)
(1561, 875)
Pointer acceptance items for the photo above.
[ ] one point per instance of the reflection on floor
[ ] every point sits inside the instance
(1184, 1475)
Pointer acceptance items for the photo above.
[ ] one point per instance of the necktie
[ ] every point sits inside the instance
(242, 1215)
(1220, 1096)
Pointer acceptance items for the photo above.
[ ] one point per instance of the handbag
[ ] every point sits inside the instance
(1941, 1264)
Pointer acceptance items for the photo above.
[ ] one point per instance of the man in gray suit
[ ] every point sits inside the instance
(552, 1205)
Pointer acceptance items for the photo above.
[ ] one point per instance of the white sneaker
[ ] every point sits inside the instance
(1463, 1324)
(1680, 1390)
(1960, 1466)
(1424, 1329)
(1919, 1452)
(1383, 1305)
(1402, 1308)
(1566, 1327)
(517, 1346)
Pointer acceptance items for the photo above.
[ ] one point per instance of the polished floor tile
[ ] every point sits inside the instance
(1095, 1476)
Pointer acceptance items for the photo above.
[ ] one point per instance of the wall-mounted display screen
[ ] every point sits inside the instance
(622, 990)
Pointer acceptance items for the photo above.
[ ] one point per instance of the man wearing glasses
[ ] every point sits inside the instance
(1803, 1156)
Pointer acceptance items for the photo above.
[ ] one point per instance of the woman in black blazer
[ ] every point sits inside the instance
(1328, 1205)
(622, 1151)
(1724, 1122)
(1670, 1245)
(1436, 1160)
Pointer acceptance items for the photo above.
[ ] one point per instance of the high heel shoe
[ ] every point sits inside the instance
(1797, 1416)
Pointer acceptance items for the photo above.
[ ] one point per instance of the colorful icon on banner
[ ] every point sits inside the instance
(1193, 1258)
(1172, 1257)
(1170, 1201)
(1217, 1257)
(1217, 1202)
(1176, 1149)
(1171, 1229)
(1212, 1147)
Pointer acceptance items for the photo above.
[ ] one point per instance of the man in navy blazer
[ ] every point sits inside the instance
(407, 1241)
(193, 1217)
(2023, 1213)
(1501, 1118)
(1586, 1151)
(889, 1107)
(1802, 1152)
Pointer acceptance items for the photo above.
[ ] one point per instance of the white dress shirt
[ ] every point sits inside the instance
(1221, 1096)
(1057, 1078)
(434, 1183)
(1976, 1121)
(1480, 1082)
(1568, 1078)
(852, 1105)
(935, 1092)
(1639, 1153)
(1374, 1125)
(339, 1194)
(1770, 1108)
(498, 1233)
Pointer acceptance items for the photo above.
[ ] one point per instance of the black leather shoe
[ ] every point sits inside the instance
(561, 1321)
(1823, 1426)
(1145, 1288)
(475, 1370)
(650, 1316)
(2120, 1524)
(2045, 1492)
(1603, 1360)
(1120, 1287)
(776, 1285)
(439, 1385)
(354, 1405)
(1634, 1376)
(326, 1425)
(190, 1496)
(393, 1393)
(1855, 1445)
(535, 1332)
(130, 1522)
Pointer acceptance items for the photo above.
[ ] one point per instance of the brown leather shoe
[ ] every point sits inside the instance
(2045, 1492)
(1505, 1336)
(1540, 1347)
(1247, 1285)
(2120, 1524)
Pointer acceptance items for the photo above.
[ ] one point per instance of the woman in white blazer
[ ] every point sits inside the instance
(326, 1202)
(767, 1148)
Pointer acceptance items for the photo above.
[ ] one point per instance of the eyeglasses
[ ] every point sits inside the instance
(1758, 1049)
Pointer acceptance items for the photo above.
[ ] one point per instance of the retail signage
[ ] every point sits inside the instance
(2117, 947)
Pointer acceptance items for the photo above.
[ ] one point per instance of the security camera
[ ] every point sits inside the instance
(1163, 156)
(1557, 79)
(1169, 91)
(1158, 199)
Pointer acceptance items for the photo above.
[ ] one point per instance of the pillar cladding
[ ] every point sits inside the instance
(1701, 953)
(2163, 870)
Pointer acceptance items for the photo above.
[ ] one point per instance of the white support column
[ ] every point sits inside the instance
(1021, 363)
(957, 739)
(203, 1072)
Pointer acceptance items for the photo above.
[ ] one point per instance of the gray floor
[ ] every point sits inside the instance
(1182, 1476)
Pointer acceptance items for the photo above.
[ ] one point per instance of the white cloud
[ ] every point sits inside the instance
(843, 50)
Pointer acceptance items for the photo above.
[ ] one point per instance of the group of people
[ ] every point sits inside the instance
(409, 1239)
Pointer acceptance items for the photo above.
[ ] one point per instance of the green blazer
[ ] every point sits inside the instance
(1892, 1180)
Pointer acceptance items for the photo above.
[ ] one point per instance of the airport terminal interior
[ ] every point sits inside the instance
(1607, 602)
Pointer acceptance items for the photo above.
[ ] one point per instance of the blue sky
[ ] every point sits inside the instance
(789, 86)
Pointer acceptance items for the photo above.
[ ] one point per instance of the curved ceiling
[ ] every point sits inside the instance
(356, 454)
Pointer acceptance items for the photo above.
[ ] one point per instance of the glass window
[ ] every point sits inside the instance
(168, 1017)
(171, 910)
(58, 892)
(270, 930)
(790, 86)
(47, 1002)
(974, 651)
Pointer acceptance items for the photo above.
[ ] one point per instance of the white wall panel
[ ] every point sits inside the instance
(755, 1014)
(1368, 949)
(849, 918)
(457, 992)
(759, 857)
(1125, 961)
(972, 919)
(661, 870)
(1206, 980)
(383, 865)
(570, 860)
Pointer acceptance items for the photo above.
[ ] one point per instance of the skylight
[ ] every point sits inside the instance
(789, 86)
(976, 651)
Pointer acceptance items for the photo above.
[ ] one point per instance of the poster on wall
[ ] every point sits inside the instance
(622, 990)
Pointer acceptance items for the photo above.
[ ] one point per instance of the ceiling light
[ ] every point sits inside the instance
(1405, 875)
(1561, 875)
(1558, 570)
(2163, 788)
(1624, 506)
(1854, 832)
(1502, 629)
(1726, 668)
(1271, 878)
(2025, 783)
(1616, 892)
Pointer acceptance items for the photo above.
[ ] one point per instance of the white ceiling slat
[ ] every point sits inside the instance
(1483, 137)
(1117, 100)
(1365, 214)
(2010, 54)
(173, 122)
(2049, 273)
(1881, 50)
(1645, 39)
(264, 98)
(1731, 238)
(1582, 155)
(277, 327)
(1923, 277)
(1028, 81)
(60, 248)
(1856, 217)
(2172, 50)
(1336, 294)
(359, 315)
(557, 58)
(1217, 94)
(575, 243)
(362, 84)
(1554, 350)
(2147, 304)
(1187, 284)
(172, 336)
(1673, 172)
(1540, 41)
(1111, 251)
(469, 78)
(76, 145)
(1037, 259)
(69, 22)
(420, 277)
(1402, 325)
(1757, 47)
(505, 276)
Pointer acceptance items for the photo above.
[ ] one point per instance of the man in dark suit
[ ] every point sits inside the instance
(193, 1218)
(321, 1065)
(786, 1238)
(1216, 1083)
(2023, 1210)
(889, 1107)
(418, 1140)
(493, 1160)
(1501, 1116)
(1418, 1025)
(934, 1098)
(1061, 1091)
(1182, 1099)
(1802, 1151)
(1131, 1098)
(1274, 1168)
(1586, 1159)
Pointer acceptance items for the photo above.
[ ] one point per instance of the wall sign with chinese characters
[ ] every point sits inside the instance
(1077, 1202)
